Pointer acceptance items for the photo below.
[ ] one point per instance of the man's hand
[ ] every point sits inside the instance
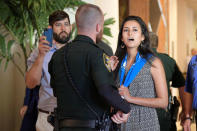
(120, 117)
(181, 117)
(23, 110)
(43, 46)
(113, 62)
(186, 125)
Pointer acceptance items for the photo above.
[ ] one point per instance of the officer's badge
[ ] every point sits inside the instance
(106, 61)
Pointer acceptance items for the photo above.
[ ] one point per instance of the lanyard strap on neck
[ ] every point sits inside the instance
(133, 71)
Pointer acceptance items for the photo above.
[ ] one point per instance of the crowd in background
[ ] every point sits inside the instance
(138, 90)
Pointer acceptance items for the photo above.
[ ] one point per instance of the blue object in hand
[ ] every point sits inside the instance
(49, 35)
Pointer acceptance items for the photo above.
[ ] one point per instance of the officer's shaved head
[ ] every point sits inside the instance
(87, 16)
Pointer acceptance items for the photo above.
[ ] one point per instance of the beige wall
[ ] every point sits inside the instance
(194, 42)
(19, 91)
(111, 8)
(173, 28)
(185, 29)
(11, 95)
(181, 31)
(7, 109)
(12, 90)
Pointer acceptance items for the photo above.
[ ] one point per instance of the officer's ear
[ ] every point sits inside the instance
(98, 28)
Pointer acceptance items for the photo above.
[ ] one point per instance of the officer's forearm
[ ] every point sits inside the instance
(112, 96)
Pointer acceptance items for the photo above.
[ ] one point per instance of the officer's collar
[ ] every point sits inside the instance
(154, 50)
(85, 38)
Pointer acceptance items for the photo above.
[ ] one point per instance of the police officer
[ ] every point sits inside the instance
(82, 80)
(174, 75)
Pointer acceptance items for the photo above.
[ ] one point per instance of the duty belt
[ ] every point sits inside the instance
(77, 123)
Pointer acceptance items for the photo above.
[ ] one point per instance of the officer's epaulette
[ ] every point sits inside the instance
(99, 48)
(106, 58)
(95, 45)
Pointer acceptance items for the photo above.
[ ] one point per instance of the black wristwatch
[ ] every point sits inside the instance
(188, 118)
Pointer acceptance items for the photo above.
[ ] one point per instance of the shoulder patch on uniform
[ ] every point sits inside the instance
(106, 62)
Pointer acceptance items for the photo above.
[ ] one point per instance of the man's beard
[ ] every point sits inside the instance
(62, 40)
(99, 36)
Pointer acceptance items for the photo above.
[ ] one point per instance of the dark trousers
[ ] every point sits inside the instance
(173, 126)
(29, 121)
(165, 122)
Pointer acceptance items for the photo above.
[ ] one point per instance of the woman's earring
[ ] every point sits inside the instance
(141, 44)
(122, 45)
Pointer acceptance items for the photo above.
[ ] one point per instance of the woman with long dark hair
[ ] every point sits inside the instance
(140, 75)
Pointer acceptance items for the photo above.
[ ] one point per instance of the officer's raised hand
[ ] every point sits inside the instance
(43, 46)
